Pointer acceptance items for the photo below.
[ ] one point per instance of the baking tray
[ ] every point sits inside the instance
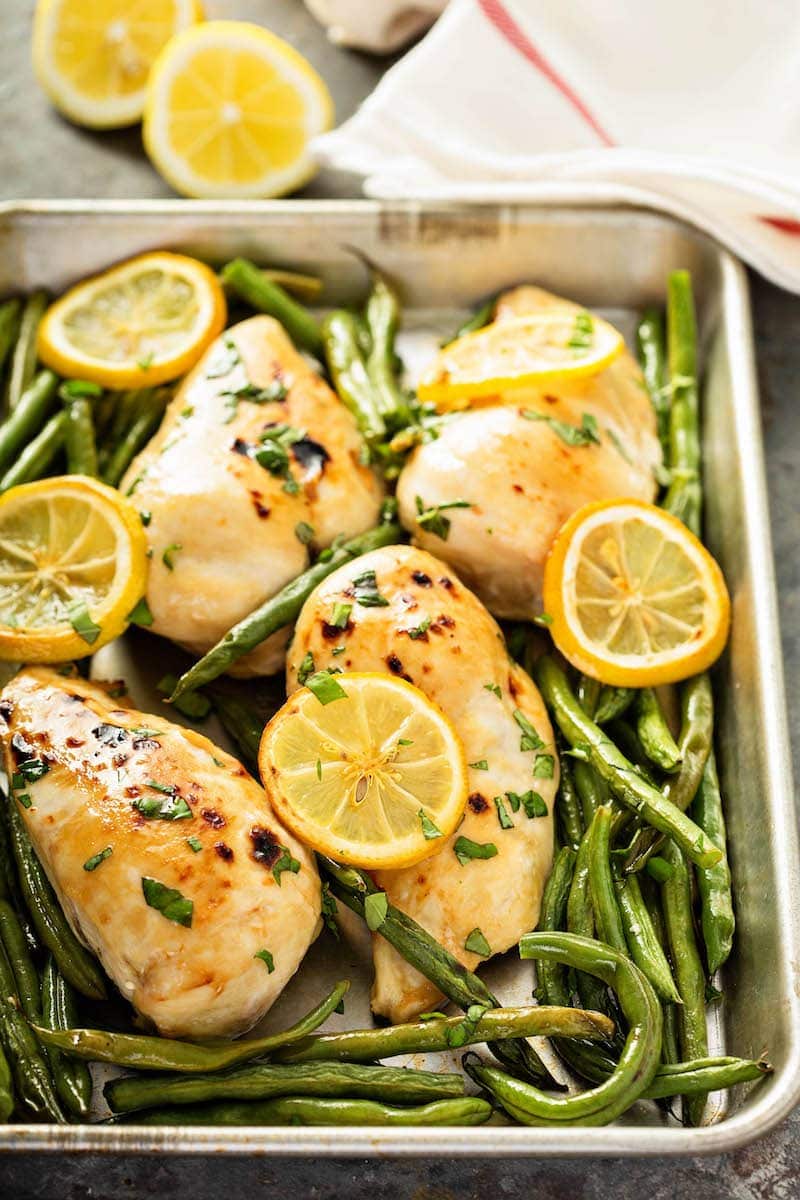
(445, 258)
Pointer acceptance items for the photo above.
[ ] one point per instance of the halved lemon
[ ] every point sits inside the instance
(141, 323)
(230, 111)
(635, 598)
(93, 57)
(543, 347)
(366, 769)
(73, 563)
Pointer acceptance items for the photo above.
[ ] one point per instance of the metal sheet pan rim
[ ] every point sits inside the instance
(492, 1141)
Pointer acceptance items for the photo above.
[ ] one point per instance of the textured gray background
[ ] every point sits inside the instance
(41, 155)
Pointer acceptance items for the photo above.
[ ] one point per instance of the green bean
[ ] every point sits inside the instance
(74, 961)
(31, 1076)
(169, 1054)
(613, 702)
(588, 694)
(23, 361)
(642, 939)
(240, 722)
(478, 320)
(6, 1087)
(626, 739)
(262, 1081)
(704, 1075)
(580, 921)
(568, 806)
(694, 745)
(689, 975)
(26, 977)
(437, 964)
(302, 1110)
(70, 1075)
(125, 406)
(349, 373)
(382, 314)
(639, 1059)
(684, 497)
(279, 610)
(251, 284)
(144, 424)
(10, 315)
(38, 456)
(591, 788)
(601, 882)
(625, 782)
(27, 418)
(79, 435)
(651, 352)
(654, 735)
(447, 1033)
(714, 883)
(306, 287)
(670, 1052)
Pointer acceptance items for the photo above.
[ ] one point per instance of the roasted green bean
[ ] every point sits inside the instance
(261, 293)
(349, 374)
(38, 456)
(651, 351)
(714, 883)
(26, 420)
(23, 361)
(684, 496)
(642, 938)
(32, 1081)
(70, 1075)
(310, 1110)
(654, 735)
(382, 314)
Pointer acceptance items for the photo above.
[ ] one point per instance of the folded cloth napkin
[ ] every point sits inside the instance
(377, 25)
(685, 106)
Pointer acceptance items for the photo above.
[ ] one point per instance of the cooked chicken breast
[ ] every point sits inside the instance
(521, 476)
(242, 884)
(226, 532)
(435, 633)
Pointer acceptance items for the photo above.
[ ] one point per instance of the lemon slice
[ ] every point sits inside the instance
(73, 563)
(365, 768)
(542, 347)
(635, 598)
(230, 111)
(93, 57)
(139, 324)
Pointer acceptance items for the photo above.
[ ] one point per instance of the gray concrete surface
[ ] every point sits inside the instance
(41, 155)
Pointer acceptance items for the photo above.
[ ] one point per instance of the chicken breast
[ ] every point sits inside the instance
(514, 466)
(435, 633)
(226, 532)
(243, 886)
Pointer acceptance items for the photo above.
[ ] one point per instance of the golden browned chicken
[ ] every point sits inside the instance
(256, 461)
(435, 633)
(165, 855)
(523, 466)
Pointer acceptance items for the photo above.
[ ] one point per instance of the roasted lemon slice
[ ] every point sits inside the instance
(365, 768)
(230, 111)
(635, 599)
(543, 347)
(73, 563)
(93, 57)
(139, 324)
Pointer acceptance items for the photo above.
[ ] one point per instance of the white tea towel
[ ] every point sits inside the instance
(377, 25)
(688, 106)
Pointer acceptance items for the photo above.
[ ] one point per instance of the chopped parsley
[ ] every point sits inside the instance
(145, 517)
(582, 335)
(82, 623)
(267, 958)
(225, 359)
(572, 435)
(194, 844)
(617, 444)
(304, 532)
(476, 943)
(494, 688)
(273, 452)
(405, 741)
(168, 901)
(464, 1032)
(429, 830)
(24, 799)
(140, 613)
(170, 808)
(330, 911)
(306, 668)
(284, 863)
(28, 771)
(502, 814)
(420, 630)
(92, 863)
(325, 687)
(543, 766)
(273, 393)
(431, 519)
(530, 739)
(146, 362)
(531, 802)
(168, 556)
(480, 765)
(376, 907)
(365, 589)
(340, 615)
(543, 619)
(466, 850)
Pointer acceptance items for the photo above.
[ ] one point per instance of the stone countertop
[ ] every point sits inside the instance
(43, 156)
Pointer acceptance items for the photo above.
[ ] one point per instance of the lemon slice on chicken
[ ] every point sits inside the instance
(365, 768)
(540, 348)
(73, 564)
(144, 322)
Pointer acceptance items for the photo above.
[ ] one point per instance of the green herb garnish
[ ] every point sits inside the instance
(224, 360)
(168, 901)
(480, 765)
(140, 614)
(365, 589)
(92, 863)
(325, 687)
(462, 1033)
(330, 910)
(82, 623)
(171, 808)
(543, 766)
(431, 519)
(420, 630)
(168, 556)
(193, 705)
(194, 844)
(267, 958)
(476, 943)
(376, 907)
(466, 850)
(304, 532)
(306, 668)
(494, 688)
(582, 335)
(572, 435)
(429, 830)
(284, 863)
(530, 739)
(502, 814)
(340, 615)
(531, 802)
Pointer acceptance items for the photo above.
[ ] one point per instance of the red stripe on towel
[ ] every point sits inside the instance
(784, 224)
(505, 23)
